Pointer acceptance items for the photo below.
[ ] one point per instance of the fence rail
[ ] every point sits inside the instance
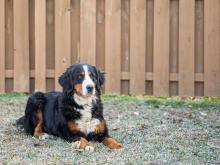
(153, 47)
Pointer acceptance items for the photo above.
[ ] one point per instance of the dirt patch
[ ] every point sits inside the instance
(151, 135)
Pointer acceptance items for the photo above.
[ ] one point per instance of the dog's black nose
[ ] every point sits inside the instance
(89, 88)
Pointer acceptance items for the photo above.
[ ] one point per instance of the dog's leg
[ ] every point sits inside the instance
(112, 143)
(38, 133)
(82, 143)
(101, 135)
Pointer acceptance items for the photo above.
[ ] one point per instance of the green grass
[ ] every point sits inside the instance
(175, 102)
(13, 96)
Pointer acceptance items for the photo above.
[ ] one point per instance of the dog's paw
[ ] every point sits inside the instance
(44, 136)
(76, 145)
(118, 146)
(112, 143)
(83, 144)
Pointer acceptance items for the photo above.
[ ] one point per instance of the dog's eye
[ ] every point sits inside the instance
(80, 76)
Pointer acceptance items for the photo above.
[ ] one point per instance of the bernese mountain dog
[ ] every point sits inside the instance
(76, 114)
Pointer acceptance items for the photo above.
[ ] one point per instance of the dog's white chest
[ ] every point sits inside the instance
(86, 123)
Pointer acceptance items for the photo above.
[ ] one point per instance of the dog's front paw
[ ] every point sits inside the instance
(83, 144)
(76, 144)
(112, 143)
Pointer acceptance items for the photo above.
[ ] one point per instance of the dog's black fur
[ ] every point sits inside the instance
(58, 108)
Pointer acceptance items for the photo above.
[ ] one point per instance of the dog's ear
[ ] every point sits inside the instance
(65, 80)
(100, 76)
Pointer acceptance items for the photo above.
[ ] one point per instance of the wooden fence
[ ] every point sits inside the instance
(153, 47)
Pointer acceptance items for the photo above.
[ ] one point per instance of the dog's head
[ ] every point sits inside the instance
(82, 79)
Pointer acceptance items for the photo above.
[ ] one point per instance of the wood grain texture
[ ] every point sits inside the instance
(50, 34)
(9, 42)
(199, 36)
(125, 35)
(40, 45)
(32, 45)
(113, 46)
(21, 46)
(174, 35)
(88, 31)
(50, 42)
(100, 34)
(161, 48)
(2, 46)
(212, 48)
(149, 36)
(174, 44)
(186, 47)
(75, 31)
(62, 38)
(137, 47)
(125, 43)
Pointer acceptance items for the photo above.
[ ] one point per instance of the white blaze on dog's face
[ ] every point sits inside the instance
(88, 86)
(84, 83)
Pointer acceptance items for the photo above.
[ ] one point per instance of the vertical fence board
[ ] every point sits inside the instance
(31, 20)
(199, 44)
(62, 38)
(40, 45)
(125, 35)
(174, 33)
(125, 43)
(112, 47)
(161, 48)
(212, 48)
(174, 36)
(21, 46)
(88, 31)
(137, 47)
(199, 36)
(50, 42)
(100, 34)
(149, 35)
(186, 47)
(149, 43)
(75, 31)
(2, 46)
(9, 43)
(50, 34)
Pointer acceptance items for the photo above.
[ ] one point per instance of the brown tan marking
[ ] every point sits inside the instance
(100, 128)
(38, 129)
(78, 88)
(82, 73)
(73, 126)
(84, 143)
(112, 143)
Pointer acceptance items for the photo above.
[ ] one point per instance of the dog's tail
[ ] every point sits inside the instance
(20, 121)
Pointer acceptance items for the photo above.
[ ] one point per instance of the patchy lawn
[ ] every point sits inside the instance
(153, 131)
